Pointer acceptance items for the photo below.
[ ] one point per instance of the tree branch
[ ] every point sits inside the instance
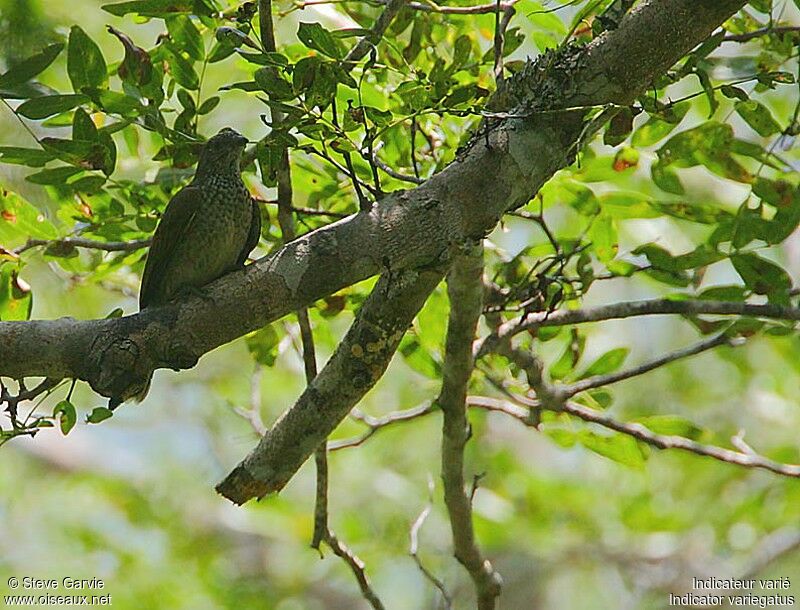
(381, 24)
(640, 432)
(356, 365)
(748, 36)
(82, 242)
(628, 309)
(465, 289)
(597, 381)
(413, 550)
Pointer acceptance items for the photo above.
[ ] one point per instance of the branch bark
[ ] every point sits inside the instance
(465, 289)
(356, 365)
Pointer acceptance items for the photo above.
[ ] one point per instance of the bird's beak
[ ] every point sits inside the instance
(242, 141)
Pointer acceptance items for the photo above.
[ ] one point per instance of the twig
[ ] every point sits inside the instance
(414, 546)
(391, 171)
(286, 222)
(465, 289)
(313, 212)
(342, 551)
(597, 381)
(376, 32)
(640, 432)
(747, 36)
(82, 242)
(628, 309)
(253, 413)
(772, 547)
(376, 423)
(500, 26)
(432, 7)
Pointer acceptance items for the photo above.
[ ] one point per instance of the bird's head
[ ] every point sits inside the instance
(222, 153)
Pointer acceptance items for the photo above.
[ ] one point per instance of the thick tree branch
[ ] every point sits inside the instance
(356, 365)
(465, 289)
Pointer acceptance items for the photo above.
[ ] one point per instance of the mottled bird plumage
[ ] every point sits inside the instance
(208, 228)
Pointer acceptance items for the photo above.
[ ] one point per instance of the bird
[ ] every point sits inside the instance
(208, 228)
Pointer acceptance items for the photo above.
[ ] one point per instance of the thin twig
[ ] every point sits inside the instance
(640, 432)
(391, 171)
(596, 381)
(747, 36)
(342, 551)
(376, 423)
(82, 242)
(661, 441)
(628, 309)
(313, 212)
(426, 7)
(383, 21)
(500, 26)
(413, 549)
(253, 413)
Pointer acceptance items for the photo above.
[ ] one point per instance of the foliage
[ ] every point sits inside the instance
(689, 193)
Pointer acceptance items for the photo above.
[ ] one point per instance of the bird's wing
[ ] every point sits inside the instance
(174, 224)
(253, 236)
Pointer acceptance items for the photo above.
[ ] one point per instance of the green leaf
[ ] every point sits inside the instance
(83, 153)
(115, 102)
(20, 220)
(603, 235)
(666, 179)
(618, 447)
(30, 67)
(762, 276)
(316, 37)
(272, 83)
(87, 184)
(48, 105)
(263, 345)
(65, 412)
(181, 69)
(85, 64)
(569, 358)
(16, 299)
(83, 128)
(672, 425)
(56, 175)
(758, 117)
(419, 358)
(702, 213)
(658, 127)
(186, 36)
(609, 362)
(32, 157)
(99, 414)
(734, 93)
(208, 105)
(157, 8)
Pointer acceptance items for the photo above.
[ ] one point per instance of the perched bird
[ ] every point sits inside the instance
(208, 228)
